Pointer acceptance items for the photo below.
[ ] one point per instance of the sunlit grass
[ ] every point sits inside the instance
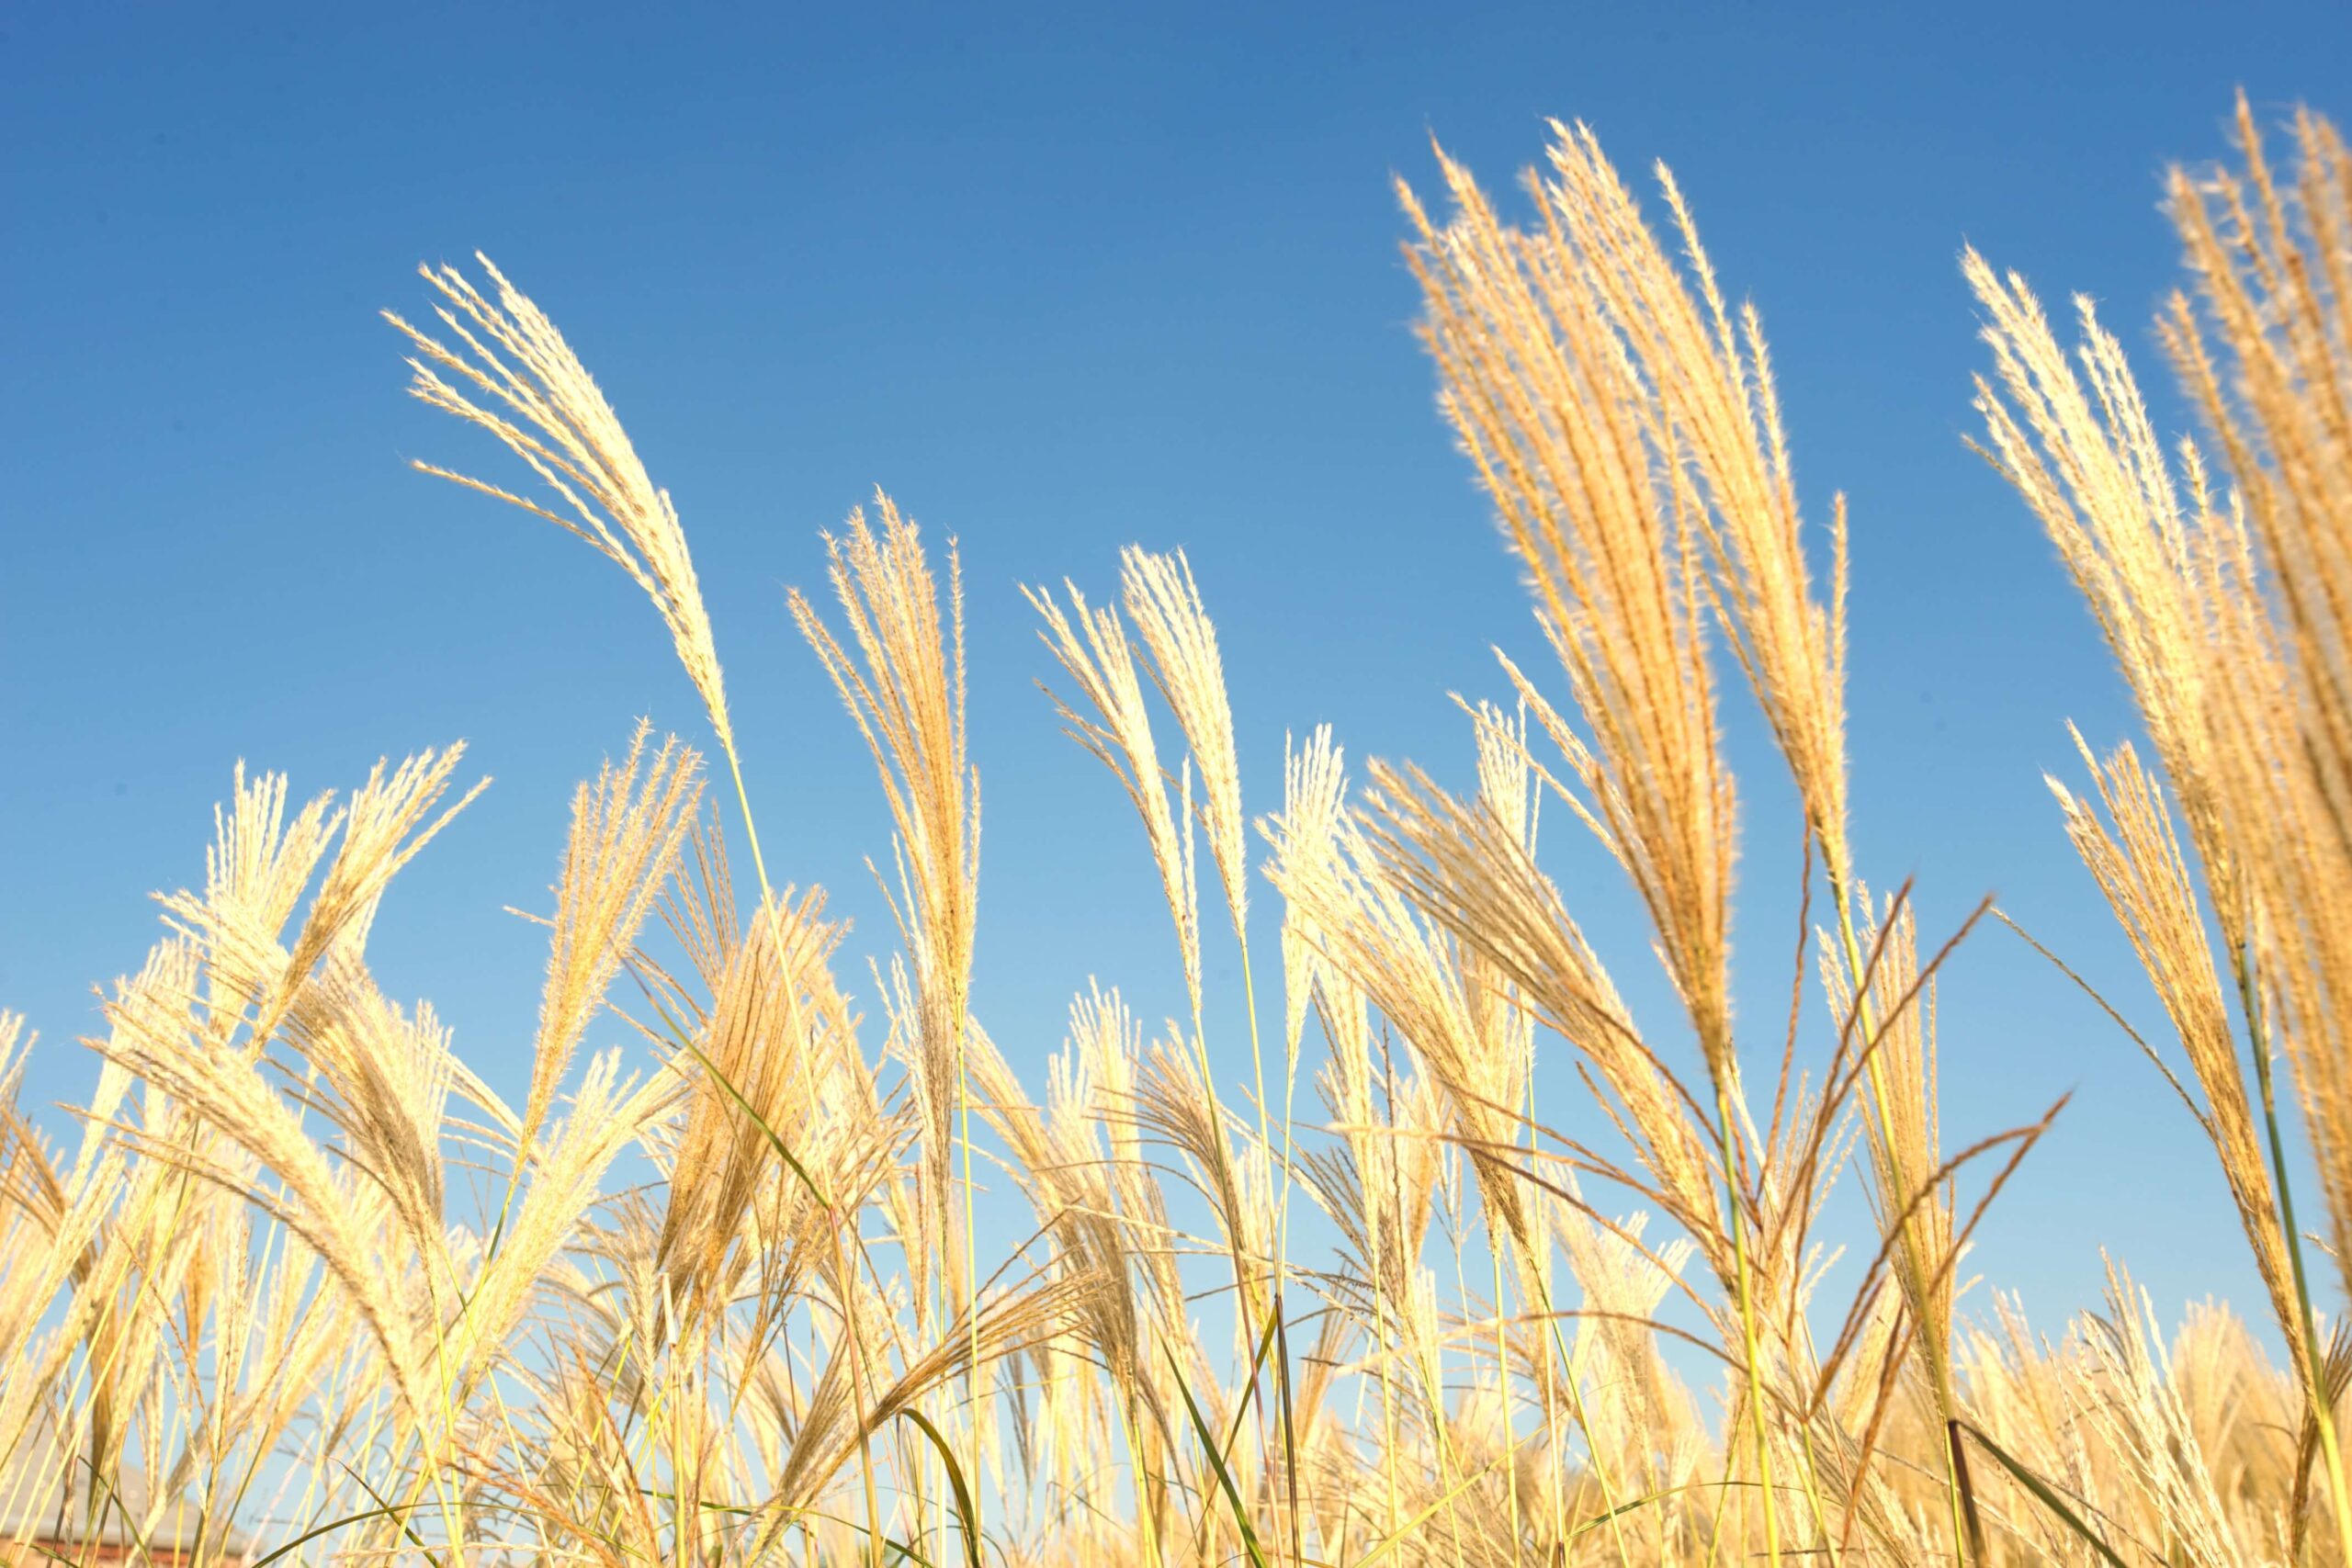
(306, 1287)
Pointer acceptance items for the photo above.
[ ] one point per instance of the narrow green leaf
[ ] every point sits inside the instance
(1249, 1394)
(313, 1533)
(966, 1515)
(775, 1141)
(1216, 1462)
(392, 1511)
(2044, 1493)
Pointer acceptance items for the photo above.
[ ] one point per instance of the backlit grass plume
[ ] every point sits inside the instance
(514, 376)
(730, 1260)
(2224, 610)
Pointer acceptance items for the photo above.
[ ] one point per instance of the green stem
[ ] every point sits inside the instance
(1748, 1322)
(848, 1277)
(971, 1252)
(2321, 1406)
(1282, 1218)
(744, 800)
(1502, 1387)
(1963, 1531)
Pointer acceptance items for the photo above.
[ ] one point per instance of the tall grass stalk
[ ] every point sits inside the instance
(2322, 1414)
(301, 1285)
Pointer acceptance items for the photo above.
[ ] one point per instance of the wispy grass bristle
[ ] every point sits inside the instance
(733, 1259)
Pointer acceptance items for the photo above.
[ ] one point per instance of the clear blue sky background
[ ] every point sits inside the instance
(1060, 281)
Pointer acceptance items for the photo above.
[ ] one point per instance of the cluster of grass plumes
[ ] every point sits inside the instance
(308, 1286)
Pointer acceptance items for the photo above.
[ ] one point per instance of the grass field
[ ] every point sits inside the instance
(306, 1287)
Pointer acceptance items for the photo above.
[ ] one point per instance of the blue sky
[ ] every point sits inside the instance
(1058, 280)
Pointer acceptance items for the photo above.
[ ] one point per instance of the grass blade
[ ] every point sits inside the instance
(966, 1515)
(2042, 1492)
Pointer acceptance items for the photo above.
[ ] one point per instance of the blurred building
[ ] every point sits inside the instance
(46, 1514)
